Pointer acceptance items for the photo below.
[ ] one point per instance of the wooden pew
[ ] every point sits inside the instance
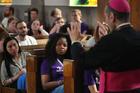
(41, 37)
(7, 90)
(42, 41)
(32, 65)
(33, 73)
(72, 74)
(32, 69)
(32, 48)
(73, 77)
(68, 76)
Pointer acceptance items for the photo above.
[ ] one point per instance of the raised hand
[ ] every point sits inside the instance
(75, 31)
(100, 31)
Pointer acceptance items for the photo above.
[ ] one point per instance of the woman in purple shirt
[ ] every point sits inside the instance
(52, 67)
(57, 49)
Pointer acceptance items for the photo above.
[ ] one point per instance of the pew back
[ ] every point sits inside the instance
(73, 81)
(42, 41)
(33, 73)
(7, 90)
(33, 48)
(73, 77)
(41, 37)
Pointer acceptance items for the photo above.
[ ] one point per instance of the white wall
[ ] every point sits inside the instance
(56, 2)
(21, 2)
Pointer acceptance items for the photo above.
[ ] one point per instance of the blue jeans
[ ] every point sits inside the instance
(59, 89)
(21, 82)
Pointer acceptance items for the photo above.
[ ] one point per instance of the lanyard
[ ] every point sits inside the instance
(60, 62)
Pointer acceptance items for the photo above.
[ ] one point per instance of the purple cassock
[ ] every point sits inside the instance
(56, 70)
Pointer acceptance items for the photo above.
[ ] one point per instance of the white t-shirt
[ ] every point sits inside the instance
(5, 22)
(29, 40)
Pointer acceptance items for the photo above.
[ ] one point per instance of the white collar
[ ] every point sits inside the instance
(123, 24)
(18, 38)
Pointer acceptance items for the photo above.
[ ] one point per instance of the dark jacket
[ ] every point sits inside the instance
(116, 52)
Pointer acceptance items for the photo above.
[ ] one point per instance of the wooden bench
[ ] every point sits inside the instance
(33, 48)
(42, 41)
(73, 81)
(72, 73)
(7, 90)
(41, 37)
(33, 73)
(73, 77)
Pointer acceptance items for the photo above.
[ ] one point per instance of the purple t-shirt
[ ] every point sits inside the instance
(56, 70)
(84, 27)
(88, 80)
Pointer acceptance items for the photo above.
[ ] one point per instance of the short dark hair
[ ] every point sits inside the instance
(11, 8)
(19, 21)
(119, 15)
(34, 9)
(11, 19)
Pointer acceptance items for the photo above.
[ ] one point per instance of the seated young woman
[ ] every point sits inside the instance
(52, 67)
(37, 29)
(52, 77)
(58, 23)
(13, 67)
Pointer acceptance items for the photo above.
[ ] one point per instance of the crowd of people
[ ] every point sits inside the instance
(113, 50)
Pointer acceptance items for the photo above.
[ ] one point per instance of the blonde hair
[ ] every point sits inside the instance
(77, 11)
(56, 10)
